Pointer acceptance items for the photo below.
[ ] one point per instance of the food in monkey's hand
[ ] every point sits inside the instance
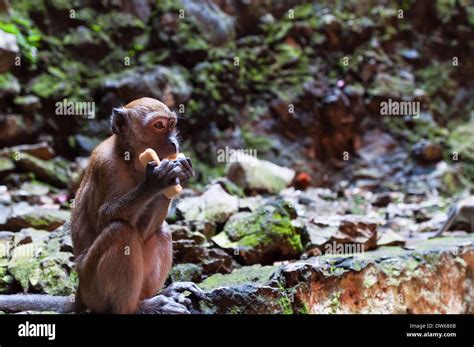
(150, 155)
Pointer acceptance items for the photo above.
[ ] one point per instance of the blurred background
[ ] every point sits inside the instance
(301, 83)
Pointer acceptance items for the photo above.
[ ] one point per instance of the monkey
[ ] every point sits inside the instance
(462, 211)
(121, 242)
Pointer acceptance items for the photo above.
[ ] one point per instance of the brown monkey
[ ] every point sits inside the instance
(462, 211)
(120, 238)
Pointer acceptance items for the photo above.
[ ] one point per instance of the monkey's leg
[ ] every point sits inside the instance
(157, 260)
(111, 273)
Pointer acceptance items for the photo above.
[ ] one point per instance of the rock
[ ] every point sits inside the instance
(214, 205)
(392, 86)
(341, 235)
(28, 104)
(184, 232)
(211, 260)
(186, 273)
(167, 84)
(390, 238)
(42, 267)
(6, 166)
(24, 216)
(53, 172)
(229, 186)
(9, 85)
(435, 276)
(16, 128)
(250, 203)
(139, 8)
(5, 197)
(243, 291)
(6, 243)
(426, 152)
(30, 235)
(410, 54)
(253, 174)
(376, 143)
(215, 26)
(8, 50)
(263, 236)
(33, 188)
(40, 150)
(382, 200)
(86, 144)
(208, 229)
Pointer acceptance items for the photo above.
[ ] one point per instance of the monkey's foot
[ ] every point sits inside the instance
(161, 304)
(175, 291)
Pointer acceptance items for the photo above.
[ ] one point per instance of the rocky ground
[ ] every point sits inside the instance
(335, 215)
(256, 246)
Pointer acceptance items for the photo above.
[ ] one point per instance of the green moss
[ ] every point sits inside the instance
(186, 272)
(260, 143)
(255, 274)
(303, 309)
(335, 302)
(268, 228)
(6, 164)
(42, 266)
(27, 34)
(9, 84)
(285, 304)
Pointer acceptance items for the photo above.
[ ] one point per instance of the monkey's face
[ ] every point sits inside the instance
(146, 123)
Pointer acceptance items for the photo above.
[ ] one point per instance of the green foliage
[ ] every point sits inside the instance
(27, 34)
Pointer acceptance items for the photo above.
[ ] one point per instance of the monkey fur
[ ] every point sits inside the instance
(120, 238)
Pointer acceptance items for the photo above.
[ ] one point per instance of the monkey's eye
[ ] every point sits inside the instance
(171, 123)
(159, 125)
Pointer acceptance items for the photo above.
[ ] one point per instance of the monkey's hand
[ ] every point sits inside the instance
(172, 300)
(161, 304)
(176, 290)
(185, 167)
(159, 177)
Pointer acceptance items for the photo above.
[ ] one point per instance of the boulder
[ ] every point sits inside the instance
(214, 205)
(214, 25)
(52, 171)
(345, 234)
(24, 215)
(253, 174)
(41, 150)
(169, 84)
(263, 236)
(8, 50)
(41, 267)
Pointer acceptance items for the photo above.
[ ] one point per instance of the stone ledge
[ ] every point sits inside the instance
(434, 276)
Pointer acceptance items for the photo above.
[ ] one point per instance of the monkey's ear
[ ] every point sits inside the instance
(119, 120)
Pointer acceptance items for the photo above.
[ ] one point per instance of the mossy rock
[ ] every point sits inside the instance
(255, 274)
(186, 272)
(51, 171)
(263, 236)
(42, 267)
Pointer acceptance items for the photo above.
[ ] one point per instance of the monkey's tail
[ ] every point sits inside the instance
(451, 216)
(36, 302)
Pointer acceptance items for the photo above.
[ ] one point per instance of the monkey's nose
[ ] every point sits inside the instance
(174, 143)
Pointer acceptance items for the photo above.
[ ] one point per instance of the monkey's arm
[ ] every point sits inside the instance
(157, 179)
